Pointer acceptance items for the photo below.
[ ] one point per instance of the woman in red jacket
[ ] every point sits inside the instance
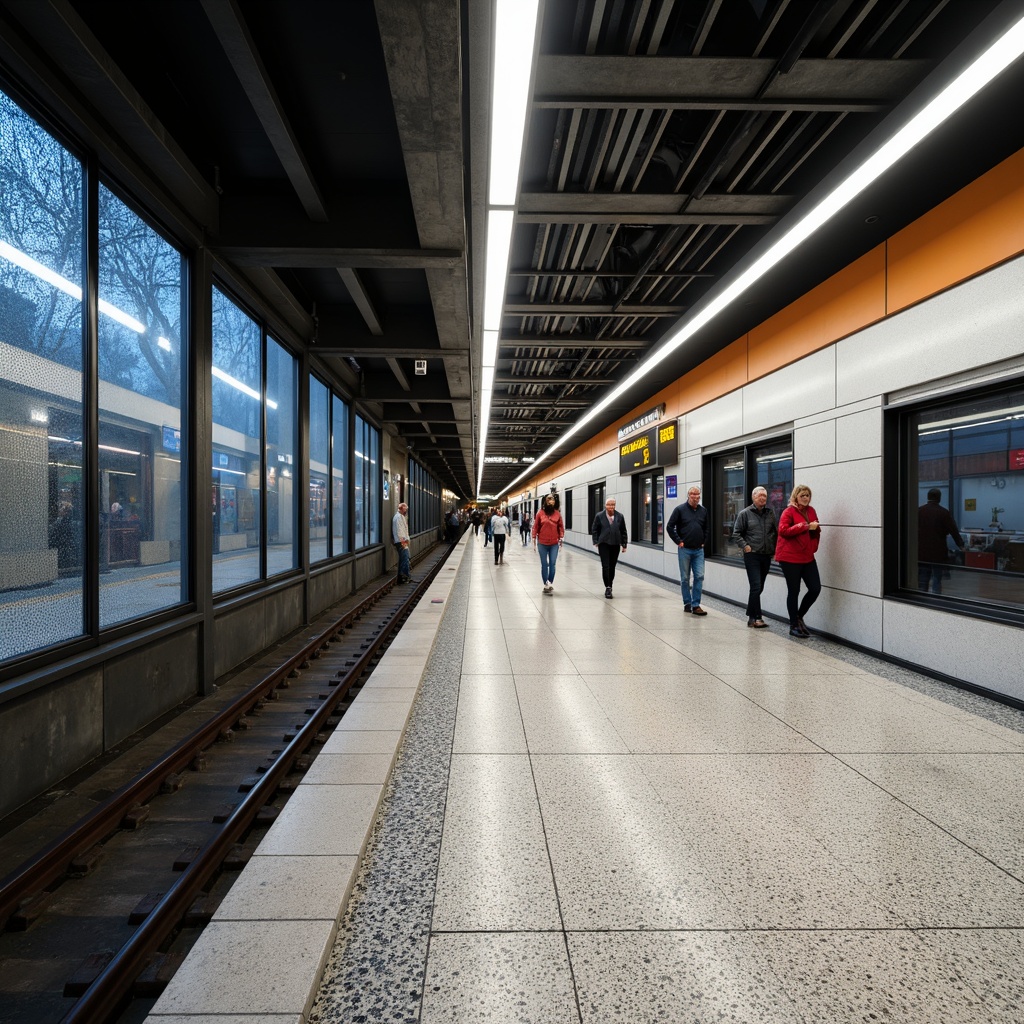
(548, 531)
(799, 534)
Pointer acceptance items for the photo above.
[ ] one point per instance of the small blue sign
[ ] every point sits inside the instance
(172, 439)
(670, 487)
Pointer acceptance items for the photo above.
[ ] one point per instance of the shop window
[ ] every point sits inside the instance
(648, 526)
(734, 475)
(366, 473)
(961, 511)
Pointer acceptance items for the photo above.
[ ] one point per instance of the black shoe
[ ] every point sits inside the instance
(607, 591)
(802, 627)
(687, 608)
(796, 631)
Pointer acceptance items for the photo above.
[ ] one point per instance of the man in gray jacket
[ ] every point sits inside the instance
(756, 531)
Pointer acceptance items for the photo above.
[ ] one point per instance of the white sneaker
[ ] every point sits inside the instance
(547, 588)
(551, 587)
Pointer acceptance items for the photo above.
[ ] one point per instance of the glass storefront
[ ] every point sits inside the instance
(962, 499)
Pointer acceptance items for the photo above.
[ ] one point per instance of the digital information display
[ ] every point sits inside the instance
(658, 446)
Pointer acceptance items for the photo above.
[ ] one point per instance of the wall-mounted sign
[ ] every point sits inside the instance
(1017, 458)
(658, 446)
(671, 485)
(172, 439)
(651, 416)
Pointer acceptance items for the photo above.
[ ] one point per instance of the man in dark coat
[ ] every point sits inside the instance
(608, 533)
(934, 524)
(756, 532)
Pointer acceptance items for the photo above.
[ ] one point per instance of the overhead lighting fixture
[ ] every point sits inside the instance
(988, 66)
(515, 33)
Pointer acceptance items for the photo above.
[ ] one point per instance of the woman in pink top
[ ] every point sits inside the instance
(548, 531)
(799, 534)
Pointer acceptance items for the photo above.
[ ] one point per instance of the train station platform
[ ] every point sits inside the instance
(607, 810)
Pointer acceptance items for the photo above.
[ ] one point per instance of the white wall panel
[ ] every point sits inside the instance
(845, 494)
(985, 653)
(859, 436)
(850, 558)
(715, 422)
(978, 322)
(850, 616)
(803, 388)
(815, 445)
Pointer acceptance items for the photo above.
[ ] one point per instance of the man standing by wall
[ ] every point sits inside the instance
(688, 527)
(934, 524)
(400, 538)
(756, 532)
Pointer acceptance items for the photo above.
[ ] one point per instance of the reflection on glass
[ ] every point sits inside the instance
(237, 439)
(282, 428)
(141, 500)
(339, 459)
(319, 460)
(43, 517)
(963, 509)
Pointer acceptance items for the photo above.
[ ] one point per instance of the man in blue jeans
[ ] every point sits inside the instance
(688, 527)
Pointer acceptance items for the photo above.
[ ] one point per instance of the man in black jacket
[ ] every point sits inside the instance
(688, 527)
(608, 532)
(934, 524)
(756, 532)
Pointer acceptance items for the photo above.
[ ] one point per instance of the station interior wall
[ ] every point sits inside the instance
(936, 308)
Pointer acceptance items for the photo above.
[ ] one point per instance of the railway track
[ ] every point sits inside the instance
(97, 921)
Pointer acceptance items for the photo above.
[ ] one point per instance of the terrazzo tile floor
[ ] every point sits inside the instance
(608, 811)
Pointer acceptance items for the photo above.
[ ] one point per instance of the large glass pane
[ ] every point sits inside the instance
(773, 470)
(141, 361)
(373, 486)
(319, 461)
(282, 431)
(360, 458)
(237, 440)
(728, 498)
(42, 503)
(963, 505)
(339, 461)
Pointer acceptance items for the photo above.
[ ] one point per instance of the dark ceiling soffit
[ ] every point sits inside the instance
(550, 342)
(234, 37)
(589, 309)
(124, 128)
(321, 257)
(722, 83)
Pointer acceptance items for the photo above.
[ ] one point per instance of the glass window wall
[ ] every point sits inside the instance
(237, 445)
(339, 475)
(319, 465)
(282, 430)
(962, 500)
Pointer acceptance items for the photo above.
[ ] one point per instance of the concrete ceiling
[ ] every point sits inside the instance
(331, 156)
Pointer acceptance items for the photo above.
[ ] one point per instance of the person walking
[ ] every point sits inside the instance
(608, 533)
(934, 524)
(400, 538)
(524, 527)
(488, 519)
(548, 531)
(499, 530)
(688, 527)
(756, 532)
(799, 536)
(475, 521)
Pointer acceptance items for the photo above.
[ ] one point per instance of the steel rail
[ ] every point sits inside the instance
(45, 867)
(111, 988)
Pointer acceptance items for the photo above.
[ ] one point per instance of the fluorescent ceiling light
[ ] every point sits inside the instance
(490, 348)
(999, 56)
(239, 386)
(499, 241)
(515, 28)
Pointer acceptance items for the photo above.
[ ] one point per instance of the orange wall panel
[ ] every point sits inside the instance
(844, 303)
(725, 371)
(979, 227)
